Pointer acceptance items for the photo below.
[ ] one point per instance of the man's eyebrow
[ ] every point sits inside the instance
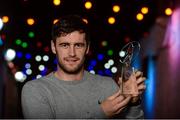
(79, 43)
(63, 43)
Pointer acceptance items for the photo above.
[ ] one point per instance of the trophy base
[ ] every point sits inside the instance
(129, 87)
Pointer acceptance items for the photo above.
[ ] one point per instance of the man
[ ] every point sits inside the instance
(72, 92)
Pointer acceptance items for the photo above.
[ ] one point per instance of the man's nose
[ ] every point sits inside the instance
(72, 51)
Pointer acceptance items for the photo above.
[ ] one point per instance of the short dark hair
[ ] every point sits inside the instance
(68, 24)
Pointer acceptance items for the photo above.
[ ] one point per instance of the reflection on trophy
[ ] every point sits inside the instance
(127, 81)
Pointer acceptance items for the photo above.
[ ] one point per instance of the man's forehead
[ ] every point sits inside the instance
(69, 40)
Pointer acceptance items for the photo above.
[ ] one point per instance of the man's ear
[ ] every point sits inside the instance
(87, 49)
(53, 47)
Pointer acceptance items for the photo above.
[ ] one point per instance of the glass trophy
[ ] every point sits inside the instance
(127, 81)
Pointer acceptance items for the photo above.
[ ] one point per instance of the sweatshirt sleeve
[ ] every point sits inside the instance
(134, 112)
(34, 103)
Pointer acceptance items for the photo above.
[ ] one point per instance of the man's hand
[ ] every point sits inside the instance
(114, 104)
(135, 86)
(140, 80)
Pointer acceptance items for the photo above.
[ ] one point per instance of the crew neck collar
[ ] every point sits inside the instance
(71, 81)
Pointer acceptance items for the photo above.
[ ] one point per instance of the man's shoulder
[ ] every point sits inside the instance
(39, 81)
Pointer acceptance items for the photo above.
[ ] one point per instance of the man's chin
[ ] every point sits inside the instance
(71, 69)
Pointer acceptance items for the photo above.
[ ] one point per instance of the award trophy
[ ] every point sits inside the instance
(128, 85)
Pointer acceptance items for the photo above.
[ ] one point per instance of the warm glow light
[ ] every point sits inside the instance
(116, 8)
(111, 20)
(168, 11)
(85, 20)
(88, 5)
(5, 19)
(55, 21)
(30, 21)
(139, 16)
(104, 43)
(56, 2)
(144, 10)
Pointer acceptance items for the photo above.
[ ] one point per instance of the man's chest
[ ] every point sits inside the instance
(76, 103)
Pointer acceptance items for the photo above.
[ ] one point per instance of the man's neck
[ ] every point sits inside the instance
(61, 75)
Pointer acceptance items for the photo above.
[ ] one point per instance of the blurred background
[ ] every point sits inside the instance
(25, 53)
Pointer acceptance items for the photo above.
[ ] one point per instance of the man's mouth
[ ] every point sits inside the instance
(71, 60)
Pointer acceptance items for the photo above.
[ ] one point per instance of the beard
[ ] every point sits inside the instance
(74, 70)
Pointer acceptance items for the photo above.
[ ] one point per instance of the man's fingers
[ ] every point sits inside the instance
(119, 99)
(140, 80)
(138, 74)
(117, 112)
(122, 103)
(114, 95)
(141, 87)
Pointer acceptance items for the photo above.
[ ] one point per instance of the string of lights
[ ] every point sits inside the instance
(28, 52)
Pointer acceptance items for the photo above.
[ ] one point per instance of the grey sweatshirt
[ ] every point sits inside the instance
(49, 97)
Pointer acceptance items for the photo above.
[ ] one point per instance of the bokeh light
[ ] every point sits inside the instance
(110, 52)
(28, 71)
(45, 58)
(5, 19)
(24, 44)
(85, 20)
(1, 41)
(38, 58)
(111, 20)
(168, 11)
(10, 54)
(100, 57)
(104, 43)
(139, 16)
(88, 5)
(18, 41)
(1, 24)
(122, 53)
(31, 34)
(144, 10)
(41, 67)
(55, 21)
(27, 65)
(114, 69)
(30, 21)
(116, 8)
(56, 2)
(20, 76)
(111, 62)
(107, 65)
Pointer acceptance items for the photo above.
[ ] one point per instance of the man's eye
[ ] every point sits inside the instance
(64, 45)
(79, 45)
